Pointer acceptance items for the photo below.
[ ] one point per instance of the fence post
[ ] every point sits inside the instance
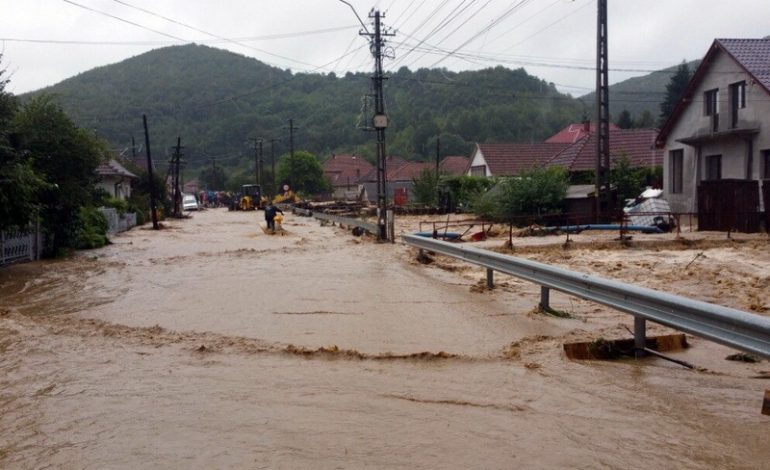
(545, 297)
(640, 336)
(2, 247)
(490, 278)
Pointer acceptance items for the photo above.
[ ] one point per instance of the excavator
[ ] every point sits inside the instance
(251, 198)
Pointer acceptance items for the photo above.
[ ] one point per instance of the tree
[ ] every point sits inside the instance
(19, 184)
(533, 193)
(674, 91)
(645, 120)
(624, 120)
(628, 180)
(65, 157)
(303, 173)
(425, 187)
(216, 182)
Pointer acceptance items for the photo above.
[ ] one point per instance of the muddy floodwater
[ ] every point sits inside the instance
(211, 344)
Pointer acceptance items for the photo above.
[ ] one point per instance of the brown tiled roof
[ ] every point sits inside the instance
(346, 169)
(391, 164)
(637, 144)
(512, 159)
(113, 168)
(454, 165)
(574, 132)
(408, 171)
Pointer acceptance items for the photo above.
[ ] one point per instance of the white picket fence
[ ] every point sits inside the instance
(20, 245)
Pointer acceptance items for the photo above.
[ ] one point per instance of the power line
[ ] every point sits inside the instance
(171, 20)
(165, 43)
(124, 20)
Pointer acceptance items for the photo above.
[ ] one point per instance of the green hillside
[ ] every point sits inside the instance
(639, 94)
(215, 100)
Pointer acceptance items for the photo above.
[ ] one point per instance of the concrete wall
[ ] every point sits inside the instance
(115, 187)
(693, 122)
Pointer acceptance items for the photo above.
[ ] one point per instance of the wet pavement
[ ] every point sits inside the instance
(212, 344)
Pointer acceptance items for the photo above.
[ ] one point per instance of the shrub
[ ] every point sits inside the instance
(119, 204)
(91, 229)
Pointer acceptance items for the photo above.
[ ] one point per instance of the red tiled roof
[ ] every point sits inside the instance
(512, 159)
(573, 133)
(454, 165)
(346, 169)
(637, 144)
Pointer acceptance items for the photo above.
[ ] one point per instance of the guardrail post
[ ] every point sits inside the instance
(490, 278)
(545, 297)
(640, 336)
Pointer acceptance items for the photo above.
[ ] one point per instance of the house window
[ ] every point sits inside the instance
(711, 107)
(676, 158)
(737, 101)
(766, 164)
(480, 170)
(714, 167)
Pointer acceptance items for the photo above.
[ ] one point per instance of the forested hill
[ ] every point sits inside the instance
(641, 94)
(216, 100)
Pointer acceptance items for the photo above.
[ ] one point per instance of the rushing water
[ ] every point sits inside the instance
(212, 344)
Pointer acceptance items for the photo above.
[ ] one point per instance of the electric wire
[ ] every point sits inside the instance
(104, 13)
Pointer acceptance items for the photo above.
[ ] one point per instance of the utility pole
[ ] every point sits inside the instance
(438, 151)
(133, 150)
(379, 121)
(603, 191)
(153, 202)
(213, 171)
(177, 192)
(292, 176)
(272, 163)
(257, 160)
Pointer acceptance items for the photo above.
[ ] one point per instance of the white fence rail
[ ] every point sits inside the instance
(17, 246)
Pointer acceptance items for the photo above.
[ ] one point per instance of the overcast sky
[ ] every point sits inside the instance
(552, 39)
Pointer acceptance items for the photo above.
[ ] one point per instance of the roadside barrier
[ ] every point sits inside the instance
(735, 328)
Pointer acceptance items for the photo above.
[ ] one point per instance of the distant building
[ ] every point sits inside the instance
(573, 148)
(115, 179)
(717, 140)
(345, 173)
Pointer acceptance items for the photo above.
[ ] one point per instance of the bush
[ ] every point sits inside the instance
(119, 204)
(91, 229)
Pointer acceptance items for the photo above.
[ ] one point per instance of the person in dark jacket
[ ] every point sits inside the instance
(270, 212)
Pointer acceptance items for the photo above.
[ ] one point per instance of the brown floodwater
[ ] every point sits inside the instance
(213, 345)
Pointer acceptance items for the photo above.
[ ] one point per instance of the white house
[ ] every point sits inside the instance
(721, 127)
(115, 179)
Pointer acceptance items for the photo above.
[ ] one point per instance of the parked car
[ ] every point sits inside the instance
(189, 203)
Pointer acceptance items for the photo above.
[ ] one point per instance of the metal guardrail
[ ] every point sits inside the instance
(735, 328)
(347, 221)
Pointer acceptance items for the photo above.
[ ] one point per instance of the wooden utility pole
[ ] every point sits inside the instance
(272, 163)
(177, 191)
(257, 160)
(292, 176)
(153, 202)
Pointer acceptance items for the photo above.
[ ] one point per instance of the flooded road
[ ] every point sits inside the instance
(211, 344)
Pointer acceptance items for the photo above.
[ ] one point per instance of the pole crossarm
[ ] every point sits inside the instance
(731, 327)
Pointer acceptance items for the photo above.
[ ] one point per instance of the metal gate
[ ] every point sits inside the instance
(16, 246)
(766, 199)
(729, 205)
